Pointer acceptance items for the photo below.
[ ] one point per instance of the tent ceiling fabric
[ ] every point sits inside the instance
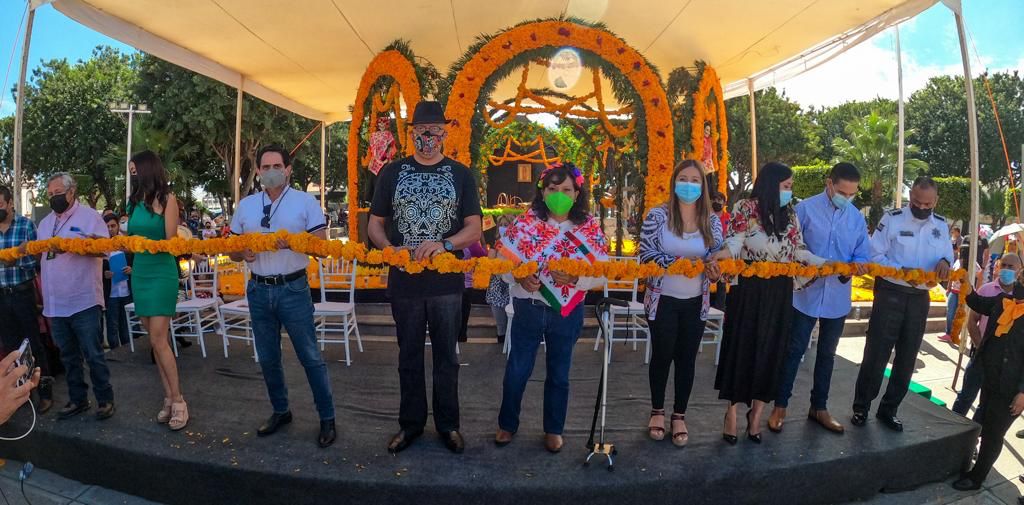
(308, 57)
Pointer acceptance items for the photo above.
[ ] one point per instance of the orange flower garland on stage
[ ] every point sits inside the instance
(394, 64)
(465, 92)
(715, 112)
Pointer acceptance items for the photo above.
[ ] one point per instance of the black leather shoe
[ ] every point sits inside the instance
(402, 440)
(105, 411)
(454, 442)
(327, 434)
(72, 409)
(890, 421)
(966, 484)
(859, 418)
(273, 424)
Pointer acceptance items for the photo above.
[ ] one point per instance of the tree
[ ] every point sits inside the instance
(7, 151)
(870, 143)
(783, 134)
(68, 124)
(831, 121)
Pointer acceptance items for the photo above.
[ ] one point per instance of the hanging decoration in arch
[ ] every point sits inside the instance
(399, 67)
(500, 50)
(709, 107)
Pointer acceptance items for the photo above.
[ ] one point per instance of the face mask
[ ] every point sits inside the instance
(272, 178)
(124, 227)
(559, 203)
(134, 181)
(717, 207)
(920, 213)
(59, 203)
(688, 192)
(3, 214)
(1007, 276)
(427, 144)
(785, 196)
(840, 201)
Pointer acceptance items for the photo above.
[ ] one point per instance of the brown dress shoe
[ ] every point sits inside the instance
(826, 420)
(502, 438)
(776, 420)
(553, 443)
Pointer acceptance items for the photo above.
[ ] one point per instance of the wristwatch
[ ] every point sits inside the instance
(448, 245)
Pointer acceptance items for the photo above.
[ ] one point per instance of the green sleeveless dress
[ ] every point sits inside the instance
(154, 276)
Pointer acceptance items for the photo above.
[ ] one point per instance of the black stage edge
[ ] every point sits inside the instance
(218, 459)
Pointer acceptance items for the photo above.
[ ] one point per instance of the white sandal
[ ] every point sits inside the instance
(164, 415)
(179, 416)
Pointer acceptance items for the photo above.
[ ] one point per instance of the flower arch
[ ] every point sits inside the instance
(391, 64)
(710, 89)
(506, 46)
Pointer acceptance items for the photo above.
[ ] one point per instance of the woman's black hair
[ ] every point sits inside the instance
(774, 218)
(151, 181)
(580, 210)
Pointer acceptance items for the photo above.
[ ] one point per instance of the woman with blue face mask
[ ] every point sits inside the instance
(677, 306)
(759, 312)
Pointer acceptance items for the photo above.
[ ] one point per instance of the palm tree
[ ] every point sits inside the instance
(871, 144)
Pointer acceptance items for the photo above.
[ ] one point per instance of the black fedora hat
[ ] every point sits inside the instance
(428, 112)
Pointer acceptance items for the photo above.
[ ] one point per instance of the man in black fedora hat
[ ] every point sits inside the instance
(428, 204)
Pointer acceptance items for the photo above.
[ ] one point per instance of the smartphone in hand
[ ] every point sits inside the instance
(26, 358)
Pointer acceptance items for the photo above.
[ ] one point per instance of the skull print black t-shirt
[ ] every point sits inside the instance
(424, 204)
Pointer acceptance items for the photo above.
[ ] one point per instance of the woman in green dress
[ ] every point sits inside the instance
(155, 276)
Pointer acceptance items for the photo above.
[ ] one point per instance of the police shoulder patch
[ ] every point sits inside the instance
(895, 212)
(940, 217)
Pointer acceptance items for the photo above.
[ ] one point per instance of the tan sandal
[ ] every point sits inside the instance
(679, 438)
(179, 416)
(656, 430)
(164, 415)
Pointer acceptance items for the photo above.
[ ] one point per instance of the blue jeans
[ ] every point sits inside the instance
(973, 377)
(829, 331)
(290, 305)
(80, 335)
(532, 322)
(117, 322)
(952, 300)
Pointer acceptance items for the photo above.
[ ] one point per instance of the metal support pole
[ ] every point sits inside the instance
(898, 187)
(323, 165)
(753, 131)
(128, 158)
(19, 114)
(237, 169)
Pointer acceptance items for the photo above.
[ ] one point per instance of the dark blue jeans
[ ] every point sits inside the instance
(117, 322)
(443, 316)
(829, 331)
(289, 305)
(78, 336)
(534, 321)
(973, 377)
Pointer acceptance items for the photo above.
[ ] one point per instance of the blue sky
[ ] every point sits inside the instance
(929, 45)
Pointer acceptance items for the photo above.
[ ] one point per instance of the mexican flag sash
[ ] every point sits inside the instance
(531, 239)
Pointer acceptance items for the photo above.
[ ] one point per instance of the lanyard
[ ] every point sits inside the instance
(56, 219)
(273, 209)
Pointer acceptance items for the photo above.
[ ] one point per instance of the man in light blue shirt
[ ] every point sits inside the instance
(833, 229)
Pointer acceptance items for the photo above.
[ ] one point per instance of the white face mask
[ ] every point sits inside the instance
(124, 227)
(272, 178)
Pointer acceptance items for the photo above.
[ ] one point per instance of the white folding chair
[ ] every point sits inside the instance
(337, 276)
(630, 319)
(198, 313)
(713, 331)
(134, 325)
(233, 318)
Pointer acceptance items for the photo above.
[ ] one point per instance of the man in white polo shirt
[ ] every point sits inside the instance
(278, 292)
(73, 297)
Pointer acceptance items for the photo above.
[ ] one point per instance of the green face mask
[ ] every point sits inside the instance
(559, 203)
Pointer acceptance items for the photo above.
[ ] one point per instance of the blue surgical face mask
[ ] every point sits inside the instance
(1007, 276)
(785, 196)
(688, 192)
(840, 201)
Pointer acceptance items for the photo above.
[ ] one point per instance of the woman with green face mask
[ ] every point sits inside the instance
(548, 305)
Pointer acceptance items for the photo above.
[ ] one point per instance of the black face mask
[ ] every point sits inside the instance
(3, 215)
(59, 203)
(717, 207)
(920, 213)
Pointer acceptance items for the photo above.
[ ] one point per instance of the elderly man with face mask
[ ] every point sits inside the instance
(428, 204)
(278, 292)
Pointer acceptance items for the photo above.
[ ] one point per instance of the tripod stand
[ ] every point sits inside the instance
(602, 447)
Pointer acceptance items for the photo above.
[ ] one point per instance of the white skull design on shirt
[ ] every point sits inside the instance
(425, 204)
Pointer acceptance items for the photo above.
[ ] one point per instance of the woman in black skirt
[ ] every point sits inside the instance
(759, 311)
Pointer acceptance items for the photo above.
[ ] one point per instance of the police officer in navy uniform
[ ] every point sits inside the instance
(914, 237)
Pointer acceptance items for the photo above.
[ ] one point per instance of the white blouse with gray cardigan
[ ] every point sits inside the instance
(652, 250)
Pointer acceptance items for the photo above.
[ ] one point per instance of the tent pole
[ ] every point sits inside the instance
(19, 114)
(323, 163)
(237, 171)
(1021, 181)
(898, 187)
(753, 131)
(972, 134)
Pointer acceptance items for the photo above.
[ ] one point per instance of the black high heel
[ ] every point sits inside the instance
(730, 439)
(750, 436)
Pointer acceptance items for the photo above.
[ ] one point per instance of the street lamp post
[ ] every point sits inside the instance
(131, 109)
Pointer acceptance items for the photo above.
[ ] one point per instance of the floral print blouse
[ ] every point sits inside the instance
(748, 241)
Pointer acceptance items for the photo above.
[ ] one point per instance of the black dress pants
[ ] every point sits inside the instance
(19, 320)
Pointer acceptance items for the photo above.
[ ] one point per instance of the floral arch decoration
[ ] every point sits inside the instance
(502, 50)
(709, 106)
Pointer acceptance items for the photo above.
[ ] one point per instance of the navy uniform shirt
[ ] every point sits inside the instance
(903, 241)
